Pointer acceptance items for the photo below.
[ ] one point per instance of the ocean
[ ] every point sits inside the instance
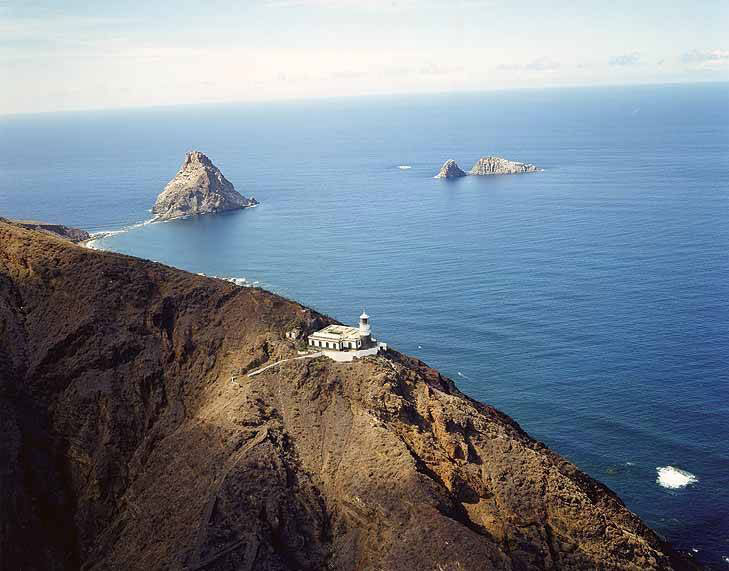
(589, 301)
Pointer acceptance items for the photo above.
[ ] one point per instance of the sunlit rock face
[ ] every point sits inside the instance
(498, 165)
(198, 188)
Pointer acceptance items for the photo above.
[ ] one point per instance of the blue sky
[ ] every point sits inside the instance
(74, 55)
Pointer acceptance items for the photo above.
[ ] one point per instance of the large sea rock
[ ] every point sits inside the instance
(198, 188)
(497, 165)
(132, 438)
(450, 169)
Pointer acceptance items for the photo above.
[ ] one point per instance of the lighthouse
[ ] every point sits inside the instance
(365, 333)
(355, 341)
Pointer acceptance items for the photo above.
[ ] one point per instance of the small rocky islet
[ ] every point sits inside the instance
(198, 188)
(450, 169)
(489, 165)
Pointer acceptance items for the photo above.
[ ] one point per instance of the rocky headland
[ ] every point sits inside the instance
(450, 169)
(497, 165)
(67, 232)
(133, 439)
(198, 188)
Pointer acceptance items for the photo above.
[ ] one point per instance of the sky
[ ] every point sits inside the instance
(70, 55)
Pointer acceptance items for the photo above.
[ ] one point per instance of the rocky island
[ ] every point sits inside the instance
(496, 165)
(450, 169)
(134, 439)
(198, 188)
(485, 166)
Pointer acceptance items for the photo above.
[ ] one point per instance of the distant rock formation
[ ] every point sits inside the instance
(450, 170)
(198, 188)
(59, 230)
(497, 165)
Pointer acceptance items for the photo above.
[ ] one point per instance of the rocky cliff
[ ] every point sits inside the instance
(450, 170)
(133, 439)
(497, 165)
(198, 188)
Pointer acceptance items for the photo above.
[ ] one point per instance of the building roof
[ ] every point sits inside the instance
(337, 333)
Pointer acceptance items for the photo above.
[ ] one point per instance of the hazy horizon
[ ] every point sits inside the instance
(374, 96)
(129, 55)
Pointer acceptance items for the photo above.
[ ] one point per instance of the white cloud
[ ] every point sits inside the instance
(632, 58)
(711, 59)
(432, 68)
(542, 64)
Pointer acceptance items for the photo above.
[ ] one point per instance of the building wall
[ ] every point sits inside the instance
(333, 345)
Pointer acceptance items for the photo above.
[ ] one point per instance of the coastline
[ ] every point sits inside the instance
(450, 453)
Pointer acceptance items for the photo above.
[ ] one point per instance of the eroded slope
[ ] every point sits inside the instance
(130, 444)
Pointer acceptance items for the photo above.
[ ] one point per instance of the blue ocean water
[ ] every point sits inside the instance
(589, 301)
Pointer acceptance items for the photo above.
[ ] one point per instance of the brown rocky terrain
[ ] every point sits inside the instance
(67, 232)
(127, 444)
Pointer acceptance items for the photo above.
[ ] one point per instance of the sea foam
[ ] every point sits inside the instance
(96, 237)
(404, 167)
(674, 478)
(239, 281)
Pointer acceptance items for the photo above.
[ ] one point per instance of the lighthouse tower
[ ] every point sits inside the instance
(365, 333)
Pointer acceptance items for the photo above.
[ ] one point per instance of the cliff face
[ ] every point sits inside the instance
(497, 165)
(198, 188)
(127, 444)
(450, 169)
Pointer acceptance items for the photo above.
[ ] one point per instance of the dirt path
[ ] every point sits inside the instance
(259, 371)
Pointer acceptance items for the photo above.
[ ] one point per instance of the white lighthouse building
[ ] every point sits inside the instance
(343, 338)
(365, 333)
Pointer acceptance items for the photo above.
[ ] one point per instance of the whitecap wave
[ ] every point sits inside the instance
(674, 478)
(404, 167)
(92, 245)
(239, 281)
